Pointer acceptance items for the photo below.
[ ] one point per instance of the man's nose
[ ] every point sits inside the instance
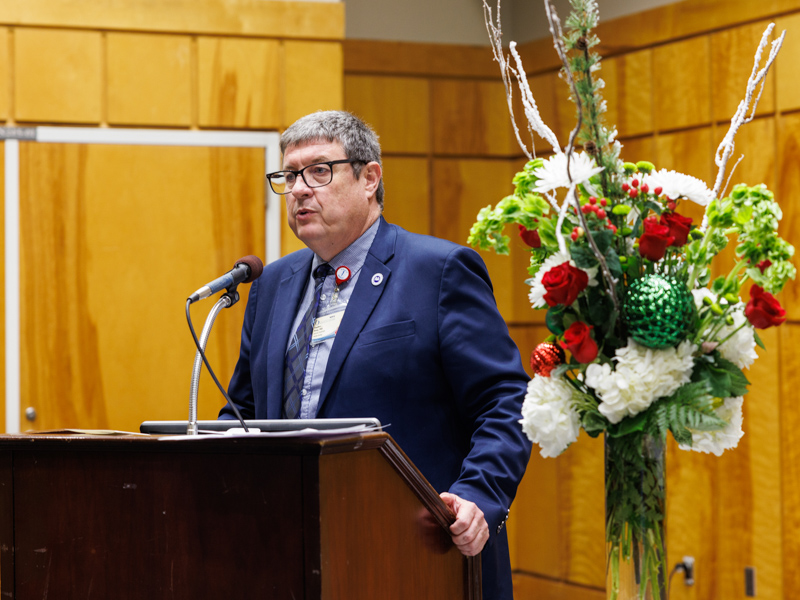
(301, 188)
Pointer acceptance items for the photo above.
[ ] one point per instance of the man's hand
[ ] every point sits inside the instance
(470, 531)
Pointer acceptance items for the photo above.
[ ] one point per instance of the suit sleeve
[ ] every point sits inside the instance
(240, 389)
(485, 372)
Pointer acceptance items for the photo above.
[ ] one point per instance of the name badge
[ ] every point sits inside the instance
(326, 326)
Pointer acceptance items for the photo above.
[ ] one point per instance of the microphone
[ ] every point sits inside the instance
(245, 270)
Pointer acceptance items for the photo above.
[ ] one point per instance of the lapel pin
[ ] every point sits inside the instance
(377, 279)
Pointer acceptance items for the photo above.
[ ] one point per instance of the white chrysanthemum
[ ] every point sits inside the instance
(548, 418)
(640, 377)
(536, 295)
(740, 348)
(676, 185)
(727, 438)
(553, 174)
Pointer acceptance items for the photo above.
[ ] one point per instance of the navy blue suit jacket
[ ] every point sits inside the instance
(426, 351)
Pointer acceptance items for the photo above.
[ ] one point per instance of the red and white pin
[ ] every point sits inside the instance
(342, 275)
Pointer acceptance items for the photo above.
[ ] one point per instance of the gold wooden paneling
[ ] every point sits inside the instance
(787, 192)
(557, 111)
(732, 53)
(5, 72)
(528, 587)
(313, 78)
(239, 81)
(682, 84)
(114, 231)
(149, 79)
(467, 186)
(471, 118)
(396, 107)
(407, 199)
(2, 294)
(636, 149)
(787, 67)
(234, 17)
(405, 58)
(629, 92)
(688, 152)
(57, 75)
(789, 465)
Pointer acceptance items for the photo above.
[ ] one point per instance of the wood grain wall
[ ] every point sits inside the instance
(114, 238)
(674, 77)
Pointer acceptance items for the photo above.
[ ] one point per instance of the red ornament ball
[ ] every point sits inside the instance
(546, 357)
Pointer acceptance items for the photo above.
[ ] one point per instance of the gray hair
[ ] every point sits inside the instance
(357, 138)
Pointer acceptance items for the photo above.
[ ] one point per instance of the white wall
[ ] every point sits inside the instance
(461, 21)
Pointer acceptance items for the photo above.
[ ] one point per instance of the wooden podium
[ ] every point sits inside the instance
(236, 518)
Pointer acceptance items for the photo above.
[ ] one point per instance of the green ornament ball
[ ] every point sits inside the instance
(658, 311)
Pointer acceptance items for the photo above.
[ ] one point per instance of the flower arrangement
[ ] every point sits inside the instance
(656, 344)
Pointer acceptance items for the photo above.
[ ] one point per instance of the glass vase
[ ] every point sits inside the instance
(635, 510)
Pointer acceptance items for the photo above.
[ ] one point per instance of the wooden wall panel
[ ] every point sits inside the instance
(5, 64)
(407, 200)
(629, 92)
(527, 586)
(3, 294)
(682, 84)
(787, 192)
(58, 75)
(321, 20)
(732, 53)
(396, 107)
(787, 66)
(313, 78)
(471, 118)
(790, 456)
(238, 79)
(689, 152)
(149, 79)
(471, 185)
(101, 348)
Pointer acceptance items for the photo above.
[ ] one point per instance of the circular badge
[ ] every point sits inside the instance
(377, 279)
(342, 275)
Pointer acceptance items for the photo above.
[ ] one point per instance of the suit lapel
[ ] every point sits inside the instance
(362, 302)
(287, 298)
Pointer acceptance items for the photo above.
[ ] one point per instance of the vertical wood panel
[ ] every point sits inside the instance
(732, 53)
(57, 75)
(682, 84)
(116, 230)
(629, 92)
(407, 201)
(313, 78)
(396, 107)
(471, 118)
(149, 79)
(688, 152)
(787, 192)
(787, 67)
(5, 74)
(790, 456)
(471, 185)
(238, 83)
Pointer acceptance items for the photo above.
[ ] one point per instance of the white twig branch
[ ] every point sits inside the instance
(755, 81)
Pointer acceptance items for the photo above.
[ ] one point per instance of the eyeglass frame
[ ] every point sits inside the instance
(299, 172)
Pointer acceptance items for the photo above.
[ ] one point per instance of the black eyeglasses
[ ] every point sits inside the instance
(316, 175)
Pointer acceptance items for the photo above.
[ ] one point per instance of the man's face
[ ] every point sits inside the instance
(328, 219)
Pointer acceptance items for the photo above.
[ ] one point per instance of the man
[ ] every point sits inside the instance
(406, 330)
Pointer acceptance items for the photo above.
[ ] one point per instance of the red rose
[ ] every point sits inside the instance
(763, 310)
(563, 284)
(579, 342)
(530, 237)
(764, 265)
(679, 227)
(655, 239)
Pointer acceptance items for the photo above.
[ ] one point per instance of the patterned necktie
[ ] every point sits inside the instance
(297, 354)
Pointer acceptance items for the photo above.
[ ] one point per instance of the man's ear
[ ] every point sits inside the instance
(372, 174)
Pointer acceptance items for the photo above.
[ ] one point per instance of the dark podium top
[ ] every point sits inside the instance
(138, 517)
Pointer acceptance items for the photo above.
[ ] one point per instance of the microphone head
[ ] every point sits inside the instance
(255, 265)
